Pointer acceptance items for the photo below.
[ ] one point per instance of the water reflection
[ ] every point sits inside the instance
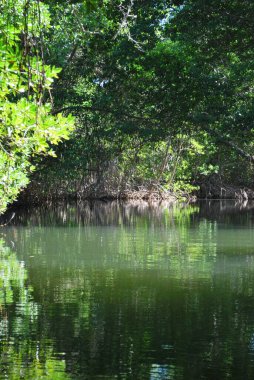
(22, 356)
(130, 213)
(128, 292)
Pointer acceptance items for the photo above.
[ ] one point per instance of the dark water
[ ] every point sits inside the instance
(133, 291)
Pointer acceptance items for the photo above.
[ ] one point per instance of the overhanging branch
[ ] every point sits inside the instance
(205, 126)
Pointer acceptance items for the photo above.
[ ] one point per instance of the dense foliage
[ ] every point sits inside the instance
(162, 93)
(27, 127)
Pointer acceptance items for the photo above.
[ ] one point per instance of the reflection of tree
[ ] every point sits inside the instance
(22, 356)
(15, 294)
(227, 211)
(104, 213)
(161, 297)
(133, 213)
(110, 322)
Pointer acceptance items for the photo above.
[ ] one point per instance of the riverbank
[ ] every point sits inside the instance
(217, 190)
(206, 190)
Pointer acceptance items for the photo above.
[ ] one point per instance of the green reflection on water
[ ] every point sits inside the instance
(122, 291)
(20, 356)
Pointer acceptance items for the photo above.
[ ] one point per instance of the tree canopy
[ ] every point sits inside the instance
(161, 92)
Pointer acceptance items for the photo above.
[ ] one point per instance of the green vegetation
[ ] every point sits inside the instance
(162, 94)
(27, 127)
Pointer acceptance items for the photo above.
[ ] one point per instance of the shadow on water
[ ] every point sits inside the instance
(128, 291)
(126, 213)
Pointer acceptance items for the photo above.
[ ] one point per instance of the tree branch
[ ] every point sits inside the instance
(104, 110)
(212, 132)
(229, 143)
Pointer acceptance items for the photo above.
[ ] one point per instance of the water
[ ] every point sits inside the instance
(131, 291)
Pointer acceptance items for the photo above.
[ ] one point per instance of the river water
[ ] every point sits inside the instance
(128, 291)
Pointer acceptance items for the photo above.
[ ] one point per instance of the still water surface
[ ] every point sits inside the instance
(128, 291)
